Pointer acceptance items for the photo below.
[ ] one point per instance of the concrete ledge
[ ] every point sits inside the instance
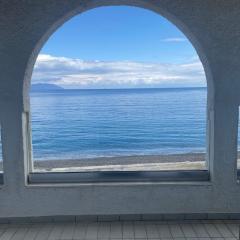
(127, 217)
(118, 176)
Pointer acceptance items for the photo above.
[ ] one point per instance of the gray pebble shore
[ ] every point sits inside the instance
(123, 160)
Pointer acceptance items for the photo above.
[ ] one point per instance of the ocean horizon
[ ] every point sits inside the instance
(89, 123)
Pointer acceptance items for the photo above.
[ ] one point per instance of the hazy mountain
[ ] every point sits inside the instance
(42, 87)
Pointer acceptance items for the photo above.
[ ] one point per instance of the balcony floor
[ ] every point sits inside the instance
(195, 229)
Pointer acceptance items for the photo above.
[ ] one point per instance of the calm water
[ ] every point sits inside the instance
(89, 123)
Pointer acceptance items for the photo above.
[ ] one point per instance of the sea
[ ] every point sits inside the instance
(77, 124)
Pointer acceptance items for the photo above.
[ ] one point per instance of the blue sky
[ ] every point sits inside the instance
(110, 47)
(120, 33)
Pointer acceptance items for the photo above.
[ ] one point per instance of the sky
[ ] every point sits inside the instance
(118, 47)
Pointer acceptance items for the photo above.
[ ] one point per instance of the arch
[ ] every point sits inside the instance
(217, 48)
(50, 29)
(167, 13)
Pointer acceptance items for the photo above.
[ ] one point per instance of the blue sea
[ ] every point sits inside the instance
(74, 124)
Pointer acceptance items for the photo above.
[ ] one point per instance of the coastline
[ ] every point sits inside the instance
(187, 161)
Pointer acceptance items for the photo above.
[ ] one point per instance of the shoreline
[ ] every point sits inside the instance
(186, 161)
(125, 163)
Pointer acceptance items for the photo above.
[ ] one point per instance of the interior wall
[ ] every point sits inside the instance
(213, 28)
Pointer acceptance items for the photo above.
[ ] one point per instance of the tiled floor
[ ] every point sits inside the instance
(194, 230)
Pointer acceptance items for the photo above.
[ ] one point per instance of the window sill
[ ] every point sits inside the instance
(182, 176)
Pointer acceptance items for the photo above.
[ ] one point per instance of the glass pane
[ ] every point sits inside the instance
(109, 96)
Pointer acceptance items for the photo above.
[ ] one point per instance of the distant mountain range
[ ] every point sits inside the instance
(42, 87)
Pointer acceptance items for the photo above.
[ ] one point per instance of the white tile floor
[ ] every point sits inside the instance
(185, 230)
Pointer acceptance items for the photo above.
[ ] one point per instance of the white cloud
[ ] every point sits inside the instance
(176, 39)
(76, 73)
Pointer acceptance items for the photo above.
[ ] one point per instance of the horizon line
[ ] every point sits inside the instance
(125, 88)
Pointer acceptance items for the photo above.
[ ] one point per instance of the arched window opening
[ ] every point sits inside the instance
(118, 89)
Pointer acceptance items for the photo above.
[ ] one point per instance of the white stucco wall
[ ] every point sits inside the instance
(214, 30)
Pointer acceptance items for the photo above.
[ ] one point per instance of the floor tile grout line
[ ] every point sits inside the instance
(49, 228)
(215, 225)
(227, 225)
(169, 229)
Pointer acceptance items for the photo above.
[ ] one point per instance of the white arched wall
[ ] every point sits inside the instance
(212, 27)
(51, 28)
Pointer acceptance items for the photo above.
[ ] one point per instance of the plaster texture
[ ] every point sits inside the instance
(213, 28)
